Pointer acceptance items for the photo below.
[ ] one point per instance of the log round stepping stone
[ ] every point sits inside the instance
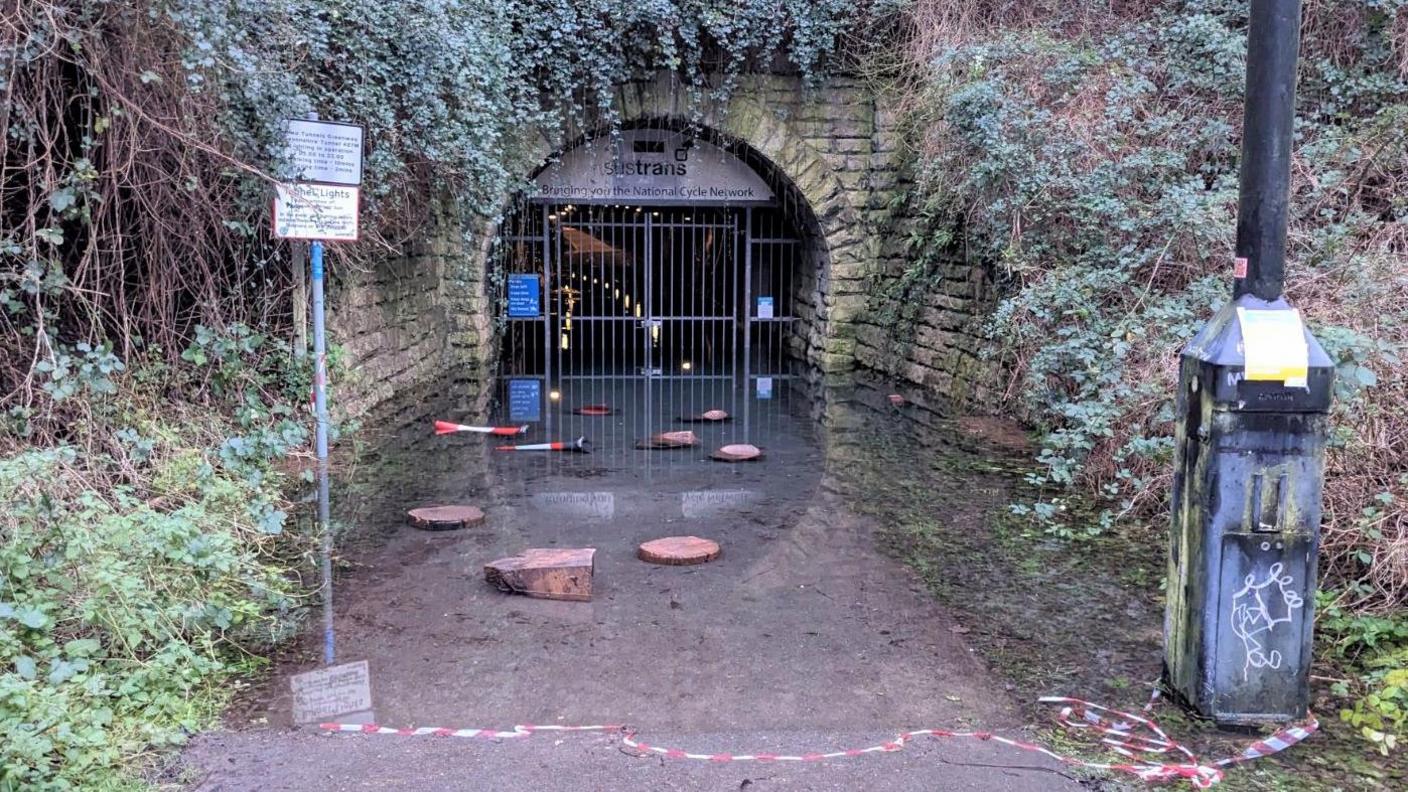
(708, 416)
(738, 452)
(445, 518)
(685, 439)
(594, 409)
(678, 551)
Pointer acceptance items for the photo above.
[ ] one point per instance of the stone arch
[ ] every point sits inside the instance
(844, 253)
(841, 251)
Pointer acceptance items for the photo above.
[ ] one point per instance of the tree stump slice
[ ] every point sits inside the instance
(445, 518)
(709, 416)
(678, 551)
(738, 452)
(594, 410)
(546, 573)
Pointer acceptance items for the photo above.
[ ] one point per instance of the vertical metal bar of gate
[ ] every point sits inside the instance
(546, 319)
(747, 309)
(648, 326)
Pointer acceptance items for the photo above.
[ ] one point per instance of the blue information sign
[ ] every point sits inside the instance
(525, 400)
(524, 297)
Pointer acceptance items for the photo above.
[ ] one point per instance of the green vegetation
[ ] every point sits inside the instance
(144, 559)
(1086, 150)
(1093, 630)
(147, 437)
(1090, 154)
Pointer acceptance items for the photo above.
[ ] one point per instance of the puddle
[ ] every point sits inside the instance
(800, 600)
(873, 582)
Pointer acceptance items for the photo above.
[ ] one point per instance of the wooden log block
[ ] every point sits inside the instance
(445, 518)
(678, 550)
(546, 573)
(683, 439)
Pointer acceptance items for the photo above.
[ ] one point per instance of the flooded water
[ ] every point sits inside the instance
(806, 634)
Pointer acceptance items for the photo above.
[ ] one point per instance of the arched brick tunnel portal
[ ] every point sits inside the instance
(416, 327)
(659, 276)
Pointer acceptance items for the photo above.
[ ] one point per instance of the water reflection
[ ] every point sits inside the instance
(446, 646)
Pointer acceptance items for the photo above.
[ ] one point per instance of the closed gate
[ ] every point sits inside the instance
(622, 320)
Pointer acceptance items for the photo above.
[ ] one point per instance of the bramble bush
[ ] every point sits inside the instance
(145, 411)
(144, 558)
(1090, 153)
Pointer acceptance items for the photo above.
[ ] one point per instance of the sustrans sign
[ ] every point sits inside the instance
(651, 166)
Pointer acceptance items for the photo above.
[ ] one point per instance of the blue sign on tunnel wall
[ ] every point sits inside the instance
(525, 400)
(523, 296)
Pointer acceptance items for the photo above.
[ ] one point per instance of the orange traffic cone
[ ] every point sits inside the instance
(445, 427)
(581, 445)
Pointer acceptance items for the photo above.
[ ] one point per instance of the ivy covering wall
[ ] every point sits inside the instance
(1089, 152)
(148, 435)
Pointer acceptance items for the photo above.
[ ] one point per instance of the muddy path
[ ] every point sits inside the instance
(804, 636)
(1051, 616)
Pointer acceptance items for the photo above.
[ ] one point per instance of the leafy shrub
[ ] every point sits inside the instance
(1091, 155)
(1374, 652)
(144, 561)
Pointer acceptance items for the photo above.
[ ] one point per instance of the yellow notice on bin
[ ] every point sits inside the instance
(1273, 346)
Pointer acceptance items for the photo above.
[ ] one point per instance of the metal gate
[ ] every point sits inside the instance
(621, 320)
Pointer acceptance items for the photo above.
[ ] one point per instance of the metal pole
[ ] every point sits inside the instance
(747, 321)
(300, 289)
(300, 299)
(320, 404)
(1273, 39)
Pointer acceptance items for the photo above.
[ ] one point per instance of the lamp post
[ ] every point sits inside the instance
(1253, 393)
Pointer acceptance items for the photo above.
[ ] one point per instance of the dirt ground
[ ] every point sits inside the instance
(803, 637)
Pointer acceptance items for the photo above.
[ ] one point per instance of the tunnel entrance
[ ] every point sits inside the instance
(622, 317)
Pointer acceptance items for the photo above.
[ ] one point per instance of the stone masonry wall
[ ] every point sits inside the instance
(419, 326)
(414, 329)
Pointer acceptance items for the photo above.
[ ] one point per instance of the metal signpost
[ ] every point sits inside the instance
(1254, 390)
(322, 205)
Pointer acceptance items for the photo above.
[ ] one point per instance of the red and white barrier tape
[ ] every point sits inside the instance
(1121, 731)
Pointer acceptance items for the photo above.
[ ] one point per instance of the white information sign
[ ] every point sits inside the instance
(325, 151)
(332, 691)
(1273, 346)
(316, 211)
(651, 166)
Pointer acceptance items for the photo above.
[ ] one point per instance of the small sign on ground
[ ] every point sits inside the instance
(326, 693)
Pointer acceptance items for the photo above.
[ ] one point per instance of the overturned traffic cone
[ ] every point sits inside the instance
(445, 427)
(581, 445)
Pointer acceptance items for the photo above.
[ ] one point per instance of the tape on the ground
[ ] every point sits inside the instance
(1137, 737)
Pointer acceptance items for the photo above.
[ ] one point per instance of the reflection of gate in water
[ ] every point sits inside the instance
(653, 312)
